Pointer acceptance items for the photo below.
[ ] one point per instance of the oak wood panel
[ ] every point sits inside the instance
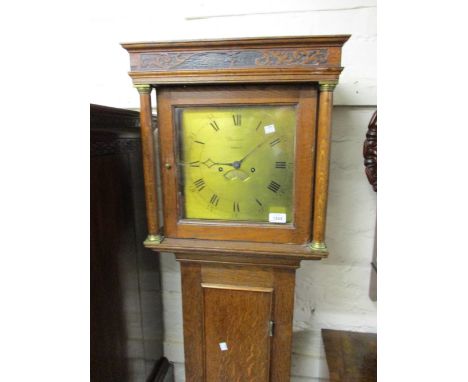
(280, 41)
(283, 307)
(239, 260)
(305, 97)
(237, 287)
(255, 77)
(239, 318)
(229, 58)
(254, 60)
(271, 251)
(278, 280)
(232, 275)
(192, 303)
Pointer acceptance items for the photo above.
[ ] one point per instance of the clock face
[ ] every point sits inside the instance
(237, 162)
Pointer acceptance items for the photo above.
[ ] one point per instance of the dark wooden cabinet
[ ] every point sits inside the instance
(126, 309)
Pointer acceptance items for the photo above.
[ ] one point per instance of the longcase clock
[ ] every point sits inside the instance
(243, 145)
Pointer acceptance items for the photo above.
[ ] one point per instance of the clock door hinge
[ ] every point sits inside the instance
(271, 328)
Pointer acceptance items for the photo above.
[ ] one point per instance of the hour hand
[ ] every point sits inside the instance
(209, 163)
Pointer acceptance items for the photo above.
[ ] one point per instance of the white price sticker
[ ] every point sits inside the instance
(223, 346)
(274, 217)
(269, 129)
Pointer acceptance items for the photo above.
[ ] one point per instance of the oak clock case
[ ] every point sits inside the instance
(232, 159)
(244, 140)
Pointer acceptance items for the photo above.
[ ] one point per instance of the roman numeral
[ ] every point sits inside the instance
(275, 142)
(195, 164)
(259, 202)
(259, 124)
(235, 207)
(273, 186)
(214, 125)
(199, 184)
(237, 119)
(202, 143)
(214, 200)
(280, 165)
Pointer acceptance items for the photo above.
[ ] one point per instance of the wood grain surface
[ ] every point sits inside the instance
(351, 356)
(283, 308)
(304, 96)
(192, 303)
(238, 318)
(223, 299)
(322, 165)
(148, 161)
(248, 60)
(295, 252)
(236, 277)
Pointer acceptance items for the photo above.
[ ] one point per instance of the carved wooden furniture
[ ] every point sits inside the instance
(126, 333)
(370, 164)
(252, 118)
(370, 152)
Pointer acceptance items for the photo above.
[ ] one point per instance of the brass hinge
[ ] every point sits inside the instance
(271, 328)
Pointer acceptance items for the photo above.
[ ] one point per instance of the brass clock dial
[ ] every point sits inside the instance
(237, 162)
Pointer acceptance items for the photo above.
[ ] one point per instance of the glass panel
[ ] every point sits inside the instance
(237, 162)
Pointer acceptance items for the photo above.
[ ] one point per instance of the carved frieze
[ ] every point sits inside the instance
(228, 59)
(114, 146)
(370, 152)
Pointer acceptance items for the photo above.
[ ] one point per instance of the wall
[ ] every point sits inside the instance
(329, 294)
(110, 26)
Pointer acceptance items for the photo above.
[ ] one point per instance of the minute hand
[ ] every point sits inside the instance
(253, 150)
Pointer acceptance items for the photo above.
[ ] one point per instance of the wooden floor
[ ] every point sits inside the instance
(351, 356)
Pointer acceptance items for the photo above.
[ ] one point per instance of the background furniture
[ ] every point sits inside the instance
(370, 163)
(126, 311)
(351, 356)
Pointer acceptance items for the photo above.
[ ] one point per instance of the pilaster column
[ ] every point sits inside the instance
(147, 144)
(322, 164)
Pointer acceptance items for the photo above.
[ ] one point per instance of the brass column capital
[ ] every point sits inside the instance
(327, 86)
(143, 88)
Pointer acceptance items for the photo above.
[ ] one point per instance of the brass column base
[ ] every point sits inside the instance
(318, 246)
(154, 239)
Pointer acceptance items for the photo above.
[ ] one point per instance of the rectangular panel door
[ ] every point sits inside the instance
(237, 341)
